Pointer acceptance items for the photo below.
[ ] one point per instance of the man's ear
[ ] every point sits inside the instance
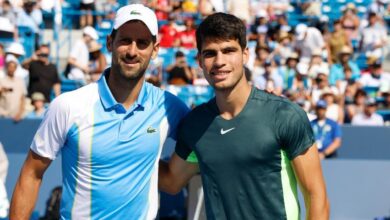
(109, 43)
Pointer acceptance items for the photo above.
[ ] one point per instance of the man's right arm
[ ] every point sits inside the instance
(27, 186)
(175, 174)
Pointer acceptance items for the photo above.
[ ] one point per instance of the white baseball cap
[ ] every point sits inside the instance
(137, 12)
(11, 58)
(90, 31)
(300, 31)
(16, 48)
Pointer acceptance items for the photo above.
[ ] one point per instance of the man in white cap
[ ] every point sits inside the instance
(308, 39)
(12, 92)
(110, 133)
(79, 55)
(17, 50)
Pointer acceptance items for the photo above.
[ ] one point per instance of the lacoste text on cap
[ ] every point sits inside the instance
(137, 12)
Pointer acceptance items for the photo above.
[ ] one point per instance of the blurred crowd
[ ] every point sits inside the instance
(303, 50)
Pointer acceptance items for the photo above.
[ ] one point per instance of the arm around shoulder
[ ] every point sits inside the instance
(27, 186)
(308, 170)
(175, 174)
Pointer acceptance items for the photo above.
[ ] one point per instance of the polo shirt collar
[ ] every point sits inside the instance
(108, 99)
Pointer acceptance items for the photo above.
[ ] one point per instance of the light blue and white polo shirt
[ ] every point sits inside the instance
(109, 154)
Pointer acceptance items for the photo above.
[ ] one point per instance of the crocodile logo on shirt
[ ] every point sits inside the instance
(151, 130)
(135, 13)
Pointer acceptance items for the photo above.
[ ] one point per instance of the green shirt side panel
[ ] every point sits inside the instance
(289, 184)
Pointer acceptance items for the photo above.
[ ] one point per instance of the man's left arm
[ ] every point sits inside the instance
(56, 89)
(308, 171)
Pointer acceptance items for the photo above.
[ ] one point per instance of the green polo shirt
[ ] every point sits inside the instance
(245, 162)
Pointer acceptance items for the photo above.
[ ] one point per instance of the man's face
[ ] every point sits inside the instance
(370, 109)
(11, 68)
(222, 62)
(132, 48)
(321, 113)
(344, 58)
(43, 54)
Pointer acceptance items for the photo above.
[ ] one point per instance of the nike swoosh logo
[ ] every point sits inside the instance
(226, 131)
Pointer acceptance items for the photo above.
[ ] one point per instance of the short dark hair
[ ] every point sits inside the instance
(221, 26)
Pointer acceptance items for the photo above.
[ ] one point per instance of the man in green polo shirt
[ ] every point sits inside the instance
(250, 146)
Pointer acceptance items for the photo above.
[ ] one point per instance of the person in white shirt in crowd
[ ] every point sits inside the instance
(12, 92)
(376, 75)
(270, 80)
(368, 117)
(17, 50)
(79, 55)
(8, 27)
(31, 16)
(301, 80)
(316, 63)
(333, 111)
(373, 37)
(308, 39)
(321, 84)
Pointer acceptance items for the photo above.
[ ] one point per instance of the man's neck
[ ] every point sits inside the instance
(231, 102)
(125, 91)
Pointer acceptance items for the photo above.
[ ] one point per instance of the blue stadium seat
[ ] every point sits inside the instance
(27, 39)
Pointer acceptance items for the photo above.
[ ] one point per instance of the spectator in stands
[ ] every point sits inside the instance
(326, 132)
(180, 73)
(317, 62)
(374, 37)
(337, 41)
(162, 8)
(17, 50)
(385, 94)
(168, 32)
(357, 105)
(205, 8)
(289, 70)
(337, 70)
(301, 82)
(79, 55)
(262, 55)
(379, 7)
(284, 48)
(350, 21)
(97, 61)
(333, 111)
(348, 81)
(368, 117)
(87, 7)
(12, 92)
(261, 19)
(270, 80)
(240, 9)
(44, 77)
(376, 76)
(38, 102)
(8, 28)
(311, 7)
(186, 38)
(31, 16)
(308, 39)
(321, 84)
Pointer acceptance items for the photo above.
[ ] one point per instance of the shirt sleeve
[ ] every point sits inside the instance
(337, 131)
(175, 112)
(51, 134)
(293, 129)
(183, 149)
